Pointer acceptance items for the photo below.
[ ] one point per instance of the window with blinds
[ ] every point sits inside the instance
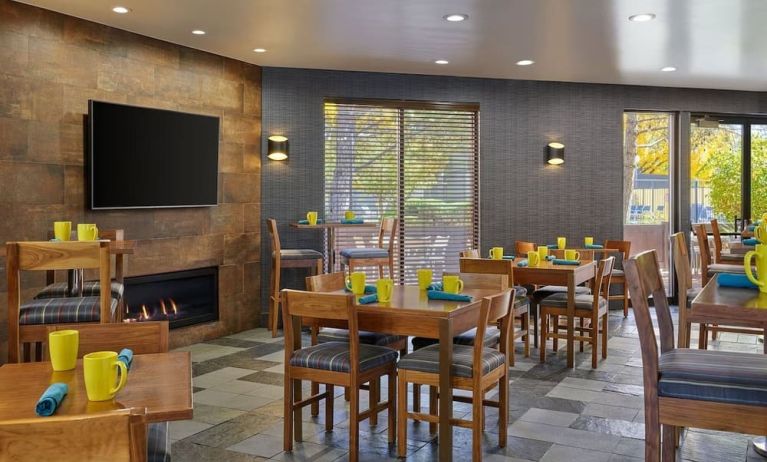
(415, 161)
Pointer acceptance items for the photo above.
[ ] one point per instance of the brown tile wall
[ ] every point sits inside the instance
(50, 66)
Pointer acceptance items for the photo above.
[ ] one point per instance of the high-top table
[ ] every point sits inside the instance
(331, 229)
(411, 313)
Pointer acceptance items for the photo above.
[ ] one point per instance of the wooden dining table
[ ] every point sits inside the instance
(161, 383)
(331, 228)
(411, 313)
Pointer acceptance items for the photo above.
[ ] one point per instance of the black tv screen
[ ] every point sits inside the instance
(141, 157)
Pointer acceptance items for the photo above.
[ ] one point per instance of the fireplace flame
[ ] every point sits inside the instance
(173, 306)
(144, 312)
(162, 306)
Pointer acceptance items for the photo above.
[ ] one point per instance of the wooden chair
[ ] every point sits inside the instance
(27, 322)
(469, 253)
(584, 254)
(145, 337)
(708, 269)
(593, 307)
(286, 258)
(380, 256)
(345, 364)
(117, 436)
(719, 256)
(686, 292)
(522, 247)
(618, 277)
(476, 368)
(715, 390)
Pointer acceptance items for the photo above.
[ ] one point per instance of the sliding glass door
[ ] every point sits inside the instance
(758, 147)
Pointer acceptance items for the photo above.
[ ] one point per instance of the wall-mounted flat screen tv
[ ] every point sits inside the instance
(150, 158)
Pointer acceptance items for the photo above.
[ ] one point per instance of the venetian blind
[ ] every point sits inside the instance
(416, 161)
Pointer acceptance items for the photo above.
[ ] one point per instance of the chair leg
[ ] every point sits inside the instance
(594, 339)
(604, 336)
(703, 337)
(535, 309)
(433, 407)
(714, 331)
(298, 432)
(687, 337)
(275, 309)
(392, 405)
(27, 352)
(512, 352)
(552, 325)
(476, 426)
(315, 387)
(380, 271)
(625, 300)
(668, 444)
(287, 435)
(544, 331)
(526, 327)
(329, 407)
(402, 415)
(374, 397)
(503, 409)
(416, 398)
(354, 424)
(581, 331)
(651, 433)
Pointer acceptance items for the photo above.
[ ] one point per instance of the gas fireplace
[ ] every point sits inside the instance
(181, 297)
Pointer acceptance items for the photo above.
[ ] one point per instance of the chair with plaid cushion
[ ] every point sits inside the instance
(714, 390)
(380, 256)
(345, 364)
(618, 277)
(27, 321)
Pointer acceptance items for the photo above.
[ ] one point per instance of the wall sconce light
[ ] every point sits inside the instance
(277, 147)
(555, 153)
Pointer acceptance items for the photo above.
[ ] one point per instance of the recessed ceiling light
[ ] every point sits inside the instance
(441, 61)
(455, 17)
(668, 69)
(198, 32)
(525, 62)
(642, 17)
(121, 10)
(260, 50)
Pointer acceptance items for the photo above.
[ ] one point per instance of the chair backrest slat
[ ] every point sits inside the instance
(623, 246)
(485, 266)
(497, 307)
(602, 281)
(497, 282)
(681, 266)
(44, 255)
(388, 227)
(704, 250)
(141, 337)
(328, 282)
(271, 226)
(717, 240)
(522, 247)
(469, 253)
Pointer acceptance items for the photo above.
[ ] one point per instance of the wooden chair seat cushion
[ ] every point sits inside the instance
(521, 291)
(62, 310)
(158, 443)
(547, 291)
(334, 356)
(725, 268)
(90, 289)
(299, 254)
(365, 252)
(492, 338)
(582, 301)
(519, 302)
(708, 375)
(427, 360)
(368, 338)
(617, 273)
(692, 293)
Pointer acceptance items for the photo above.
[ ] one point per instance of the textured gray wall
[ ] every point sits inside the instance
(521, 197)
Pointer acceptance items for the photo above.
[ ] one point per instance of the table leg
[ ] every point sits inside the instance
(445, 390)
(570, 320)
(331, 250)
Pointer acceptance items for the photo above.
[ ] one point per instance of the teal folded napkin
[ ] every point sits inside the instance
(552, 246)
(751, 241)
(522, 263)
(435, 286)
(364, 300)
(368, 289)
(306, 222)
(126, 356)
(594, 246)
(440, 295)
(353, 221)
(752, 227)
(51, 399)
(740, 281)
(509, 257)
(550, 258)
(560, 261)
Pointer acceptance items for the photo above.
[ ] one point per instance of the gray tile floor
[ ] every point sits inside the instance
(556, 413)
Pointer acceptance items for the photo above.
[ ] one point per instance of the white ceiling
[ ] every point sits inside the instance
(713, 43)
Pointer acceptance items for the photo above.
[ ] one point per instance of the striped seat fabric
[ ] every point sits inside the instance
(582, 301)
(61, 310)
(367, 252)
(368, 338)
(521, 291)
(546, 291)
(707, 375)
(334, 356)
(427, 360)
(521, 301)
(299, 254)
(158, 443)
(90, 289)
(492, 338)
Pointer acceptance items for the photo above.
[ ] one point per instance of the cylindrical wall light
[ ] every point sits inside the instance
(277, 147)
(555, 153)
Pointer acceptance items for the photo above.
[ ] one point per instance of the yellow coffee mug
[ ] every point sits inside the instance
(349, 215)
(356, 282)
(496, 253)
(561, 243)
(760, 232)
(543, 252)
(571, 254)
(587, 241)
(452, 284)
(311, 217)
(62, 230)
(761, 266)
(425, 276)
(384, 288)
(63, 346)
(87, 232)
(533, 258)
(101, 371)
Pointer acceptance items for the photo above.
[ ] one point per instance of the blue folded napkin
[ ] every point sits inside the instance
(440, 295)
(364, 300)
(751, 241)
(594, 246)
(126, 356)
(435, 286)
(522, 263)
(509, 257)
(550, 258)
(560, 261)
(552, 246)
(51, 399)
(353, 221)
(306, 222)
(735, 280)
(368, 289)
(751, 227)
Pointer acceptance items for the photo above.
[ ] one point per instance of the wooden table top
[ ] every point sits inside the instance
(336, 224)
(550, 266)
(412, 300)
(729, 305)
(161, 383)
